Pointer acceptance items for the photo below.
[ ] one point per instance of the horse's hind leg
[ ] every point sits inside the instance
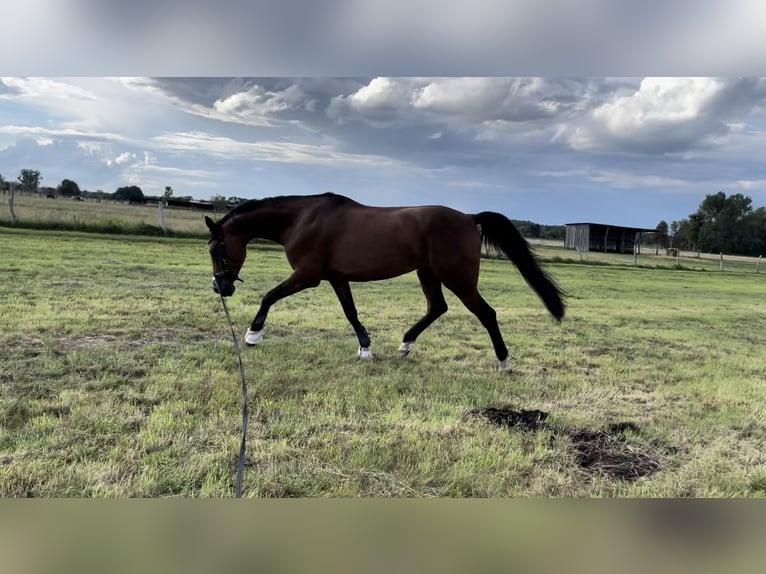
(343, 291)
(488, 317)
(437, 306)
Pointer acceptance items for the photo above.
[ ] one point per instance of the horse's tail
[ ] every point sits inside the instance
(498, 234)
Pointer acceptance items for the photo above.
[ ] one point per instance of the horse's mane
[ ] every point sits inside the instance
(255, 204)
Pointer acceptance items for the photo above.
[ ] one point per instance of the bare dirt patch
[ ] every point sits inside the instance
(605, 452)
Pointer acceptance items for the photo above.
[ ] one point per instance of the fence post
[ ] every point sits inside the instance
(635, 253)
(162, 217)
(14, 219)
(678, 257)
(758, 264)
(722, 261)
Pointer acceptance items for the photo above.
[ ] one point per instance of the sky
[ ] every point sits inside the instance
(628, 151)
(533, 108)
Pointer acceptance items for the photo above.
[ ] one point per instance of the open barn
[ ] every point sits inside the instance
(603, 237)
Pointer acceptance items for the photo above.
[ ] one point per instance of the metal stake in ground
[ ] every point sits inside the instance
(241, 462)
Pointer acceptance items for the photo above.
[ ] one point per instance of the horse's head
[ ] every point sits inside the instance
(228, 255)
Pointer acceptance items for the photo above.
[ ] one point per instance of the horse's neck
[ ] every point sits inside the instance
(272, 223)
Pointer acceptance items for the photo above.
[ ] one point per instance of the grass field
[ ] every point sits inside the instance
(109, 216)
(118, 378)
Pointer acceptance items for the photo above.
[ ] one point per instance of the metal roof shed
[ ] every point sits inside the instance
(603, 237)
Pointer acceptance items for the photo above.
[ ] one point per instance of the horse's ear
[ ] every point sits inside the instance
(210, 224)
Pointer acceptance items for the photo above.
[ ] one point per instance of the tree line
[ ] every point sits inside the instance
(533, 230)
(29, 181)
(723, 224)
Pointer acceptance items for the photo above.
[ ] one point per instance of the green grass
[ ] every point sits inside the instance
(110, 217)
(118, 378)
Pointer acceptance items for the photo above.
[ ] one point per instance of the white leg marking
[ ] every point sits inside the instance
(364, 353)
(405, 348)
(505, 365)
(253, 338)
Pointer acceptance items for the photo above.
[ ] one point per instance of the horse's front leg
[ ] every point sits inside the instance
(343, 291)
(296, 282)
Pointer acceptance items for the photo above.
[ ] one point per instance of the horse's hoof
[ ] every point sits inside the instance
(364, 353)
(404, 349)
(505, 365)
(253, 338)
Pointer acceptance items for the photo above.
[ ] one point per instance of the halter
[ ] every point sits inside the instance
(220, 254)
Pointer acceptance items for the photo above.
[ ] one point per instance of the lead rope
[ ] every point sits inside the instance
(241, 463)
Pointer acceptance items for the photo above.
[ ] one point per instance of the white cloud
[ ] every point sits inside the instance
(154, 175)
(621, 179)
(382, 93)
(659, 104)
(382, 102)
(125, 157)
(257, 102)
(39, 89)
(37, 131)
(271, 151)
(250, 105)
(487, 106)
(752, 184)
(482, 99)
(667, 115)
(625, 180)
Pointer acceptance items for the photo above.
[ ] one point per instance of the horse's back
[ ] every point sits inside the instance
(403, 226)
(370, 243)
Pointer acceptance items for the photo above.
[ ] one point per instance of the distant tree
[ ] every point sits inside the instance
(68, 188)
(30, 179)
(528, 228)
(534, 230)
(688, 232)
(131, 194)
(722, 217)
(674, 233)
(219, 202)
(723, 224)
(661, 235)
(168, 192)
(757, 232)
(553, 232)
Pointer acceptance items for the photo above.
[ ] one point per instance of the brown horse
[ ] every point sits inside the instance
(333, 238)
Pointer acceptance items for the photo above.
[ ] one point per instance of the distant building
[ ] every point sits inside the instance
(604, 238)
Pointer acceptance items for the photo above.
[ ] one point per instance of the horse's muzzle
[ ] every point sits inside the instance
(223, 287)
